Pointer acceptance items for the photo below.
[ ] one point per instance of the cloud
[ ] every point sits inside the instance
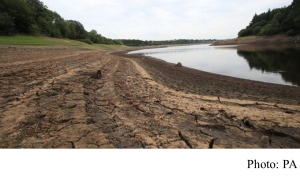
(163, 19)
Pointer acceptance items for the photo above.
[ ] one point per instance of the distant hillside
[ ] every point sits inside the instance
(164, 42)
(32, 17)
(284, 20)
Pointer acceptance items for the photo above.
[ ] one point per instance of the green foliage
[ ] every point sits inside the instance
(7, 24)
(88, 41)
(282, 20)
(63, 28)
(292, 32)
(270, 29)
(117, 42)
(77, 30)
(256, 30)
(32, 17)
(34, 30)
(166, 42)
(245, 32)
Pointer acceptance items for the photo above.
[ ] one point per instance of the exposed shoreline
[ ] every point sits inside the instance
(262, 40)
(51, 98)
(205, 83)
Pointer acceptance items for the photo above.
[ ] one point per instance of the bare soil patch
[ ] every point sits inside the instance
(53, 98)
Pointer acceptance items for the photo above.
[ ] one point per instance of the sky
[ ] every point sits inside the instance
(163, 19)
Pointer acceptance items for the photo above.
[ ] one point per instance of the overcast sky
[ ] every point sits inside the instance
(163, 19)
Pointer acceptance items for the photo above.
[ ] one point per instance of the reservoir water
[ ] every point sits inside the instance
(276, 64)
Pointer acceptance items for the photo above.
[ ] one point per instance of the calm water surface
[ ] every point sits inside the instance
(273, 65)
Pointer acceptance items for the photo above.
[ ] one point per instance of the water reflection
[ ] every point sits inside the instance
(172, 49)
(276, 64)
(283, 61)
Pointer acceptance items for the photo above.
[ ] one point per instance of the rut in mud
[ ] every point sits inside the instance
(51, 98)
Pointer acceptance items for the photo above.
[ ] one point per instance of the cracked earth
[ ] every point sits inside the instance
(50, 98)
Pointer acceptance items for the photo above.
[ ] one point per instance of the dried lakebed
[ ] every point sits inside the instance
(50, 98)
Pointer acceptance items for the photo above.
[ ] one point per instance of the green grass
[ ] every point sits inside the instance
(25, 40)
(46, 41)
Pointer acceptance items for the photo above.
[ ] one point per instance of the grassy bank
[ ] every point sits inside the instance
(46, 41)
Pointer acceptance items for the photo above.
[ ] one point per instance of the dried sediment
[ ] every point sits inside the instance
(50, 98)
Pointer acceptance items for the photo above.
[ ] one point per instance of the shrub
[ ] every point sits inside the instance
(245, 32)
(291, 32)
(88, 41)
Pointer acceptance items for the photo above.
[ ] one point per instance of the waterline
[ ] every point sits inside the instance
(230, 61)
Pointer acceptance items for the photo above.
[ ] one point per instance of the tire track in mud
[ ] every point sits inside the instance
(223, 123)
(145, 115)
(57, 102)
(48, 106)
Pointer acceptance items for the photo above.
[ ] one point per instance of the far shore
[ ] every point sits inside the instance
(263, 40)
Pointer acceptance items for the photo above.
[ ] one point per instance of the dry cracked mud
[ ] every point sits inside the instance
(50, 97)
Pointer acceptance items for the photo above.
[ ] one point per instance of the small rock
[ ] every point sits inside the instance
(131, 135)
(135, 104)
(102, 103)
(247, 123)
(169, 111)
(72, 106)
(179, 64)
(157, 100)
(141, 108)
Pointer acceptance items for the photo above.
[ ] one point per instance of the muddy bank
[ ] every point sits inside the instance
(204, 83)
(262, 40)
(51, 98)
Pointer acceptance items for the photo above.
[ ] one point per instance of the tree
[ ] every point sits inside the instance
(256, 30)
(7, 25)
(21, 14)
(77, 30)
(34, 18)
(280, 20)
(245, 32)
(63, 28)
(255, 19)
(94, 37)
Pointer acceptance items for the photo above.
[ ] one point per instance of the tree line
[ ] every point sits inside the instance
(32, 17)
(133, 42)
(284, 20)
